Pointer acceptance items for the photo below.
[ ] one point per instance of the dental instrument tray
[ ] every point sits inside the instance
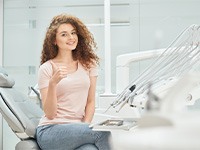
(116, 123)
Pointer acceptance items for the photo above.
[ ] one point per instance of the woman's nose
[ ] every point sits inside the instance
(70, 36)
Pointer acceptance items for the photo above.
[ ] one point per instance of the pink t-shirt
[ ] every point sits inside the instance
(72, 93)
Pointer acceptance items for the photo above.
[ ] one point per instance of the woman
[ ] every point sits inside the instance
(67, 82)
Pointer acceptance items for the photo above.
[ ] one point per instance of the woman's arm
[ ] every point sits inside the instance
(49, 100)
(48, 95)
(90, 106)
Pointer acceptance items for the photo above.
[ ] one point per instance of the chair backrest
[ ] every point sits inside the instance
(21, 114)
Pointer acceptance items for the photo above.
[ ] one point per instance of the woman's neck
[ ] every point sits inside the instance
(64, 57)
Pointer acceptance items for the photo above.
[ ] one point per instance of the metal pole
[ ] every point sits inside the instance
(1, 62)
(107, 47)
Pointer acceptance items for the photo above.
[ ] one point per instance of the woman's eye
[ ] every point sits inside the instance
(63, 34)
(73, 33)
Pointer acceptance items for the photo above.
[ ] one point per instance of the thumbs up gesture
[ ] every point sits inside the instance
(59, 72)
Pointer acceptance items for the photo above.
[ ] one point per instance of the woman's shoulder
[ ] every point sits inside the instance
(46, 67)
(89, 67)
(92, 69)
(47, 64)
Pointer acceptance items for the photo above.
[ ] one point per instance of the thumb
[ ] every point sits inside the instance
(54, 66)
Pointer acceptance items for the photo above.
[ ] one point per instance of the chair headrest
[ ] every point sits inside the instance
(5, 80)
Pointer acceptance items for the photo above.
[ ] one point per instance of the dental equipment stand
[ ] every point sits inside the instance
(181, 57)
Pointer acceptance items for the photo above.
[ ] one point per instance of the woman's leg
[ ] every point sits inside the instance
(71, 136)
(87, 147)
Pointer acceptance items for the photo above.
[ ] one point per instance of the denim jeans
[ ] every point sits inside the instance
(72, 136)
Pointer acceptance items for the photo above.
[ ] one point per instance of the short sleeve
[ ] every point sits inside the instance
(44, 75)
(93, 71)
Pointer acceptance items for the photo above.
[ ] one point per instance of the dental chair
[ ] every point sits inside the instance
(21, 114)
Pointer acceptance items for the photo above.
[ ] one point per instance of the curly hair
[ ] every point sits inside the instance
(84, 51)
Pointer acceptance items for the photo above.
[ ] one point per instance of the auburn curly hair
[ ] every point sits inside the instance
(84, 51)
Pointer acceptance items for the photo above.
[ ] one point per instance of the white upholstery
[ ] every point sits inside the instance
(21, 114)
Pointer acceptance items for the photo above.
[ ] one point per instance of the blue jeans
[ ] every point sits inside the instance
(72, 136)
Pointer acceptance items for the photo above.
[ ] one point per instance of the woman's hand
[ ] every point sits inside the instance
(58, 73)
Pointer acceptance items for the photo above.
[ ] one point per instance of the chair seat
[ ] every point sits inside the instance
(29, 144)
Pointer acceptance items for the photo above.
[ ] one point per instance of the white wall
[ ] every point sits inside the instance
(147, 25)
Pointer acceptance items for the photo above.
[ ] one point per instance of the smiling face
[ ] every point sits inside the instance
(66, 37)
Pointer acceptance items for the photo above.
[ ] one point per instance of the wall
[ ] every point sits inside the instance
(136, 25)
